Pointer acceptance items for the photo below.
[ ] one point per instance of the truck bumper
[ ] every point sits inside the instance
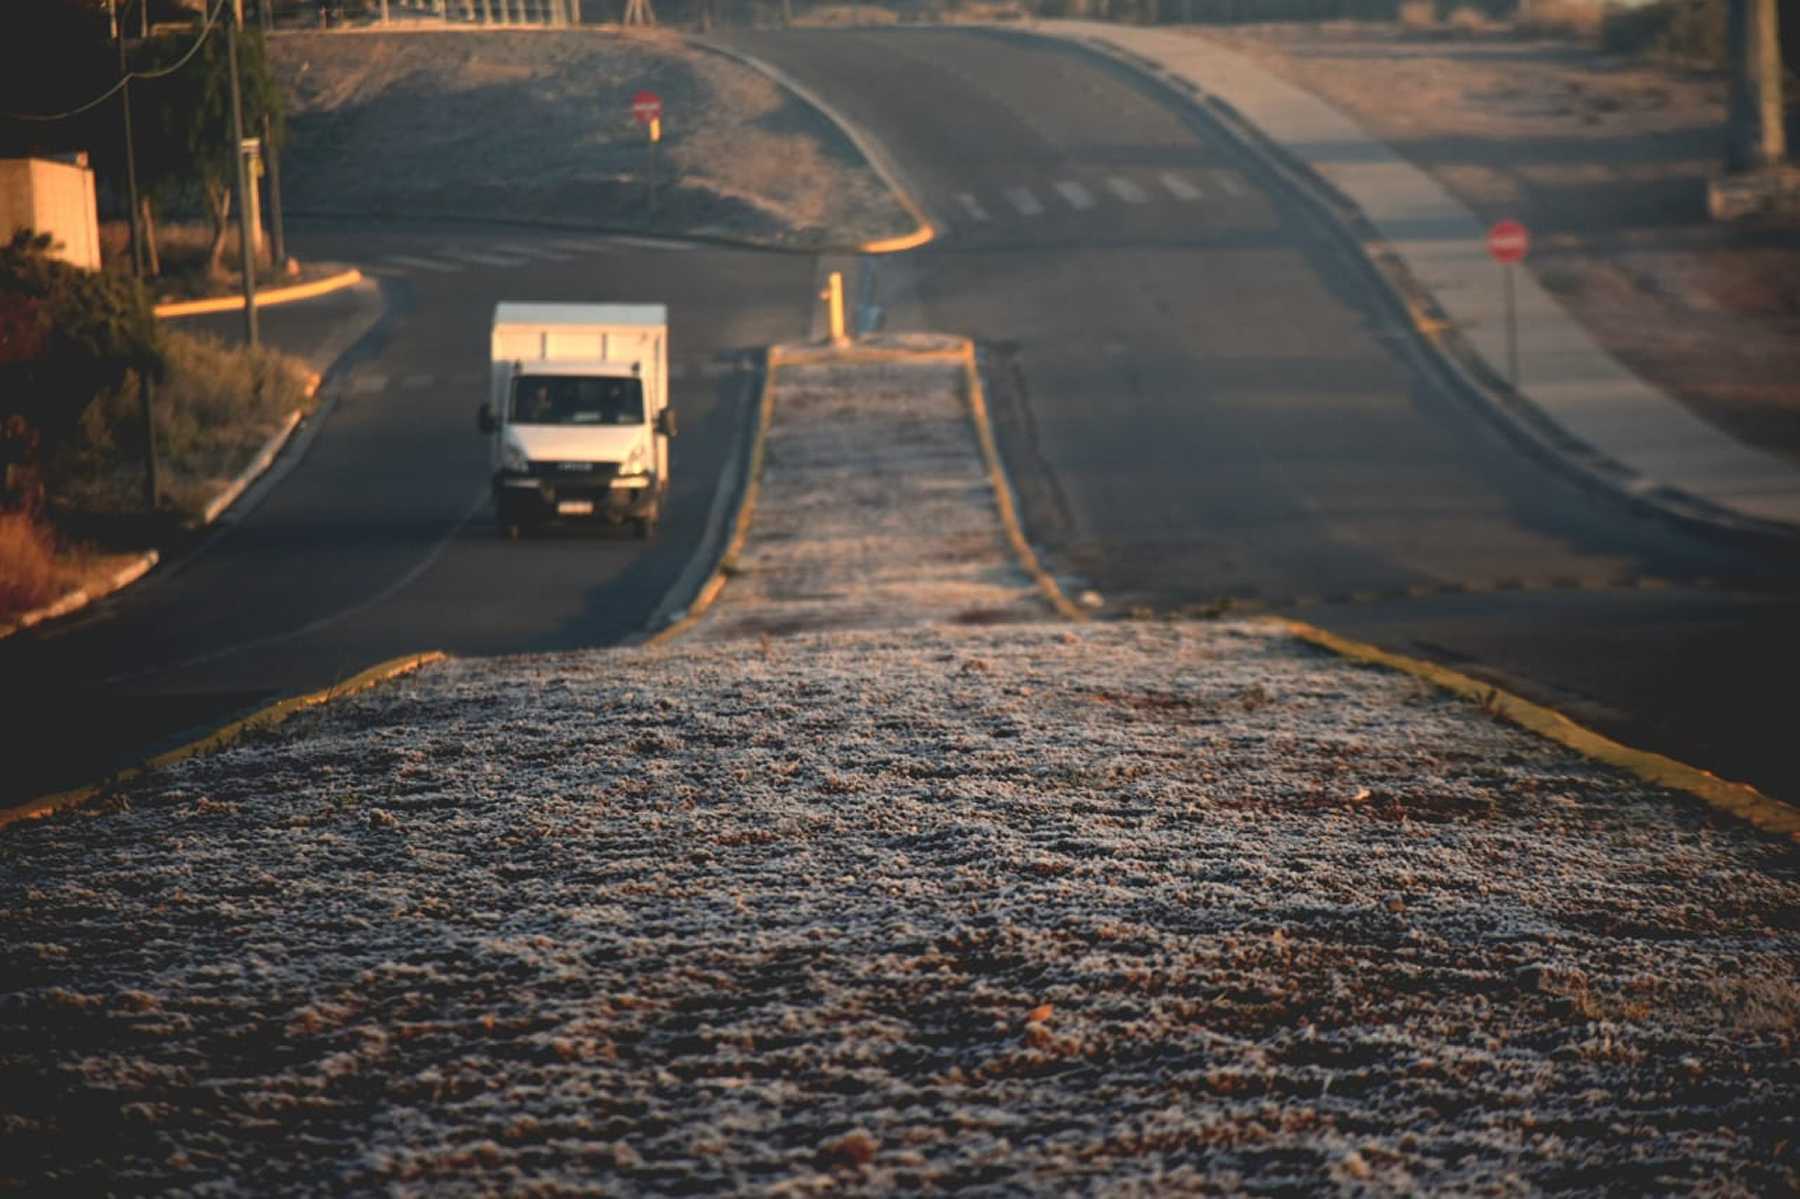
(529, 499)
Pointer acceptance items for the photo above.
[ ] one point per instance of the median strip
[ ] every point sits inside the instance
(264, 298)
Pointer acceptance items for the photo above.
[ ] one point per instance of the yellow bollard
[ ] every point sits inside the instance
(834, 298)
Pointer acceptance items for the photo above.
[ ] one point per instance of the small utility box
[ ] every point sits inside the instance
(52, 197)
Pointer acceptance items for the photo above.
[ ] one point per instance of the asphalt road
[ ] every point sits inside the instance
(1201, 403)
(1198, 400)
(381, 541)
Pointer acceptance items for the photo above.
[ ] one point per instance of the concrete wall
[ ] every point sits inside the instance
(55, 198)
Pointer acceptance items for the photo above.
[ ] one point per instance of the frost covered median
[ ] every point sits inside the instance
(880, 880)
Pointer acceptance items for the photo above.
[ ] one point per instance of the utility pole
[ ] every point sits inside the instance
(277, 232)
(1758, 136)
(246, 248)
(1757, 177)
(131, 188)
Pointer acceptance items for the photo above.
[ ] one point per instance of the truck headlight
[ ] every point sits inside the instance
(512, 456)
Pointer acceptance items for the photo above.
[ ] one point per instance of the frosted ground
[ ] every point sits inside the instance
(808, 902)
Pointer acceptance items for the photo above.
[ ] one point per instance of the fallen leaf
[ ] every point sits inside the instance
(1040, 1012)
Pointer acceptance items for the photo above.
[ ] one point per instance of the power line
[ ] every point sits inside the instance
(114, 90)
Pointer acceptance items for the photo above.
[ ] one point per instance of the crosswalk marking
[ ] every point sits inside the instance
(1024, 201)
(972, 206)
(1228, 182)
(581, 245)
(652, 243)
(1079, 197)
(479, 257)
(533, 252)
(1126, 190)
(421, 264)
(1178, 187)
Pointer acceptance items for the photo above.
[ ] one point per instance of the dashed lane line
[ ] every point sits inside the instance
(534, 252)
(368, 383)
(972, 206)
(1024, 201)
(1178, 187)
(1126, 190)
(1079, 197)
(417, 381)
(1227, 182)
(479, 257)
(422, 264)
(581, 245)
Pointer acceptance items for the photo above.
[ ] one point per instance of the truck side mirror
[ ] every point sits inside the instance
(484, 419)
(665, 422)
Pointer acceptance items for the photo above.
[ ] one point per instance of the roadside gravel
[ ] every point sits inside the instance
(1133, 908)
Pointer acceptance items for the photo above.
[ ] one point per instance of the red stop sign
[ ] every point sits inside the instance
(646, 107)
(1507, 241)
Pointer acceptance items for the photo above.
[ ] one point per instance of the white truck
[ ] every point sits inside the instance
(579, 414)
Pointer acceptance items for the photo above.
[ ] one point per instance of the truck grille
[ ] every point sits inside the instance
(576, 473)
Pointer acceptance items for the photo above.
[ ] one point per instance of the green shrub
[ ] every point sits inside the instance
(68, 337)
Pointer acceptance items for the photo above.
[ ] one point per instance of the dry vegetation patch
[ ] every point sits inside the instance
(536, 126)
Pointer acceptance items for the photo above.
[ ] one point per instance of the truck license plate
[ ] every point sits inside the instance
(575, 507)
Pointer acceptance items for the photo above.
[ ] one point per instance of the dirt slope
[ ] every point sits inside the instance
(536, 125)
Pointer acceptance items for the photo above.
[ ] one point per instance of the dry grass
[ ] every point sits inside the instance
(847, 14)
(1582, 19)
(1418, 14)
(215, 410)
(28, 569)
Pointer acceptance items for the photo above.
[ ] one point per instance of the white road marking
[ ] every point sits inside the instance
(478, 257)
(422, 264)
(1228, 182)
(972, 206)
(1178, 187)
(417, 381)
(1079, 197)
(368, 384)
(533, 252)
(1126, 190)
(651, 243)
(1024, 201)
(582, 245)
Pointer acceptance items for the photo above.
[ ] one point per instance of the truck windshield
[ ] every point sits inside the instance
(571, 400)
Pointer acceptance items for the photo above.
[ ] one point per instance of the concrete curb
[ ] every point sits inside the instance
(871, 151)
(709, 591)
(257, 466)
(264, 299)
(1739, 800)
(1435, 342)
(1004, 498)
(81, 597)
(266, 717)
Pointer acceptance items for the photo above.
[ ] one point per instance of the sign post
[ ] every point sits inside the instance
(1507, 243)
(646, 110)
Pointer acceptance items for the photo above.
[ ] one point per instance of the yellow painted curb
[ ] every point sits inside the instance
(910, 241)
(264, 299)
(1003, 498)
(1736, 799)
(272, 715)
(740, 529)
